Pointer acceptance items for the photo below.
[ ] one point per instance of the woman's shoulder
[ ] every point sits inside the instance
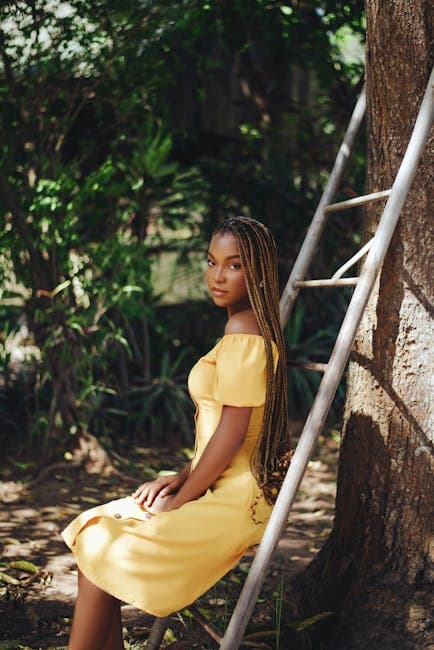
(243, 341)
(243, 322)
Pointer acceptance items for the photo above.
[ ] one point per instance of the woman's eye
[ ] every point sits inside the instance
(235, 267)
(210, 262)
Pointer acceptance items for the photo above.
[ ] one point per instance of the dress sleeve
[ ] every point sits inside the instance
(241, 371)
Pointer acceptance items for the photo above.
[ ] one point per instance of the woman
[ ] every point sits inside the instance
(175, 537)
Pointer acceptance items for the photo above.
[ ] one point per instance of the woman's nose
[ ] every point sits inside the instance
(219, 275)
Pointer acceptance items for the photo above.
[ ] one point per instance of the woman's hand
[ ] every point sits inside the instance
(162, 504)
(162, 487)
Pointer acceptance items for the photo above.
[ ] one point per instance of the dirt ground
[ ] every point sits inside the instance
(36, 604)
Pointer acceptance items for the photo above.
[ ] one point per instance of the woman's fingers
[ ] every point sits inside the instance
(147, 493)
(138, 492)
(152, 493)
(140, 495)
(162, 486)
(168, 489)
(160, 504)
(142, 489)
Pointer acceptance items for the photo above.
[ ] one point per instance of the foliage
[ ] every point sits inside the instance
(300, 348)
(129, 124)
(165, 402)
(78, 217)
(159, 405)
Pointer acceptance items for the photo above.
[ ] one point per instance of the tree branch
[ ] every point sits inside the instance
(73, 113)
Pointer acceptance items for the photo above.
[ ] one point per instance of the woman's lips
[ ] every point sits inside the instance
(218, 292)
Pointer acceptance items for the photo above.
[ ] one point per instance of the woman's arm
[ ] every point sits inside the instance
(227, 439)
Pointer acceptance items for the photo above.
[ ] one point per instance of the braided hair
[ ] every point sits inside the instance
(258, 255)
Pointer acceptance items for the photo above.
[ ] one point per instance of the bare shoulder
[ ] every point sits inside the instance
(244, 322)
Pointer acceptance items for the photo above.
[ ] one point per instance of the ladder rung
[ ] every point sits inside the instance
(339, 282)
(308, 365)
(355, 258)
(359, 200)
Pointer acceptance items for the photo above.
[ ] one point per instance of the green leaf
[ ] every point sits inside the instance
(76, 326)
(23, 565)
(60, 287)
(4, 577)
(131, 289)
(169, 636)
(308, 622)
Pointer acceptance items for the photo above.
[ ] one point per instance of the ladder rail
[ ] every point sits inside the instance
(319, 220)
(333, 373)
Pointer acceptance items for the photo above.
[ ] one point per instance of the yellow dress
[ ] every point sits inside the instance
(163, 563)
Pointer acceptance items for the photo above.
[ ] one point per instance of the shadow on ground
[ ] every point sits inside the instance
(36, 609)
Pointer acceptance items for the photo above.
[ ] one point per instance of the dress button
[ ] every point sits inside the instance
(148, 516)
(117, 515)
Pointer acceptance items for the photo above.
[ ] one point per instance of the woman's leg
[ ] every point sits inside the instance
(115, 640)
(96, 619)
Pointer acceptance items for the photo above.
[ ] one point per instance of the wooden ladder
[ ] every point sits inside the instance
(375, 251)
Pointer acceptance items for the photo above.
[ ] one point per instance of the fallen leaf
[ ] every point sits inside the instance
(23, 565)
(4, 577)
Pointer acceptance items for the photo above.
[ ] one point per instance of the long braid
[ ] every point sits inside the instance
(258, 255)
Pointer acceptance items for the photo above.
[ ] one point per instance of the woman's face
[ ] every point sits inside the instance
(224, 275)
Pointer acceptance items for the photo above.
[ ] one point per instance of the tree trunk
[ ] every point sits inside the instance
(374, 570)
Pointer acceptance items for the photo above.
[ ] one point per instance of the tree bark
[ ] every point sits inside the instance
(374, 570)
